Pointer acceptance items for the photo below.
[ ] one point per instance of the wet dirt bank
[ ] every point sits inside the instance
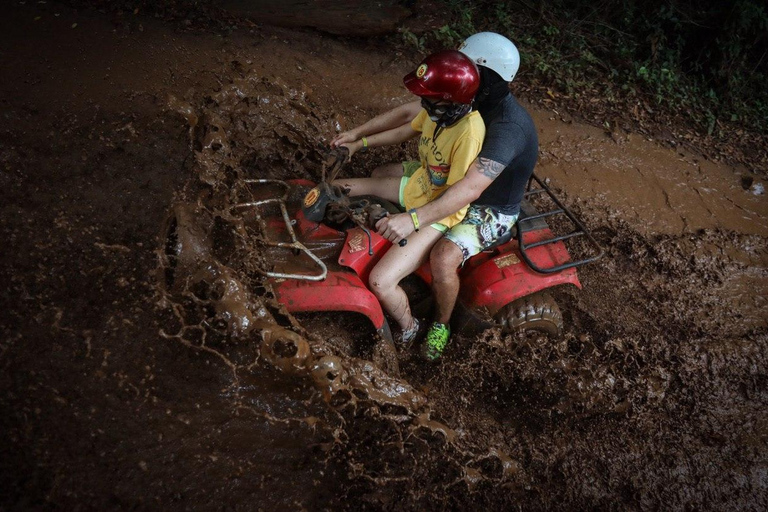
(655, 396)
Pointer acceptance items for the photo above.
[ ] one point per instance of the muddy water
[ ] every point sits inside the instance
(121, 389)
(654, 189)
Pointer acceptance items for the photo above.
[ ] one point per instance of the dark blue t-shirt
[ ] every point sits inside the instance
(511, 140)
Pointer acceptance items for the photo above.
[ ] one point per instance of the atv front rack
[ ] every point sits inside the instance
(294, 244)
(528, 223)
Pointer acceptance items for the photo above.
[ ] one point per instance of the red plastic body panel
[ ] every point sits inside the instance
(301, 182)
(493, 280)
(489, 280)
(355, 252)
(306, 229)
(340, 291)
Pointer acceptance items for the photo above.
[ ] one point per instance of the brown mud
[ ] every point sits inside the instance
(125, 385)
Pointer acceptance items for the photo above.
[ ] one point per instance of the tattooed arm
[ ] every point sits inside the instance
(487, 168)
(479, 175)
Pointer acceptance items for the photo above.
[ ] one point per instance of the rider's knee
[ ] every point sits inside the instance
(377, 284)
(378, 172)
(444, 259)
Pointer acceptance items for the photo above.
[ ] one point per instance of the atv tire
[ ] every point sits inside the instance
(537, 312)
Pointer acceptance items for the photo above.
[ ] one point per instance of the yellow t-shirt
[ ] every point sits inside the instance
(443, 161)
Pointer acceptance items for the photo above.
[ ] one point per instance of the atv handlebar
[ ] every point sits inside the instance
(333, 163)
(375, 214)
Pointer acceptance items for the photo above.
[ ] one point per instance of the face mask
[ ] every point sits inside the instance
(434, 111)
(493, 89)
(445, 115)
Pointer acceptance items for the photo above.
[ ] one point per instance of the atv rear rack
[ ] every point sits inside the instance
(527, 223)
(294, 244)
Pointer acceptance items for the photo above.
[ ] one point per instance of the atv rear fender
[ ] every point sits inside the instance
(505, 277)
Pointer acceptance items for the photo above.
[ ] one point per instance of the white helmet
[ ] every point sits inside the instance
(493, 51)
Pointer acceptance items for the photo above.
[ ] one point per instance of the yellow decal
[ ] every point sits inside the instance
(356, 243)
(506, 261)
(421, 71)
(311, 197)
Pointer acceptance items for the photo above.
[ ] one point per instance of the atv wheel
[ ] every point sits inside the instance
(537, 312)
(385, 357)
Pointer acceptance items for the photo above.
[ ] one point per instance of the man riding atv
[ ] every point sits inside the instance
(450, 136)
(493, 185)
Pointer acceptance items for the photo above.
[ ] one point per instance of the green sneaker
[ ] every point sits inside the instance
(437, 339)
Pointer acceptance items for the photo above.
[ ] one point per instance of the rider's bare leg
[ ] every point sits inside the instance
(444, 260)
(391, 170)
(394, 266)
(386, 188)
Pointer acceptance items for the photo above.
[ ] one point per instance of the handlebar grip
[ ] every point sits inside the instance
(402, 242)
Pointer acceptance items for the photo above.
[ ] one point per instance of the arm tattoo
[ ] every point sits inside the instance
(489, 168)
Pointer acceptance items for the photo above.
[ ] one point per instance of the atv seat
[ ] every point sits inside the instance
(512, 233)
(526, 210)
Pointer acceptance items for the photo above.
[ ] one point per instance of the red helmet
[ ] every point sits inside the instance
(445, 75)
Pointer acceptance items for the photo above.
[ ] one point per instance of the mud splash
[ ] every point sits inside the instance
(663, 327)
(210, 268)
(655, 397)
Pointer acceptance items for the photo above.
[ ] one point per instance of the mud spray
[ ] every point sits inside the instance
(654, 397)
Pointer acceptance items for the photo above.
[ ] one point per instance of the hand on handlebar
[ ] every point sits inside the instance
(395, 228)
(344, 138)
(353, 147)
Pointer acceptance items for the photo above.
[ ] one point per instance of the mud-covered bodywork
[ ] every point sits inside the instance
(489, 281)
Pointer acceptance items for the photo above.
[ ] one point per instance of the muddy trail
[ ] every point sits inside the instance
(126, 386)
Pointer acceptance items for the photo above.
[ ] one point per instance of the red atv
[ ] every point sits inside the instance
(334, 249)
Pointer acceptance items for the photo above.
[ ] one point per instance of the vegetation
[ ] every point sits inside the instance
(706, 61)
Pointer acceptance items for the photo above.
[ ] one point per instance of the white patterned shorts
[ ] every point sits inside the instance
(481, 227)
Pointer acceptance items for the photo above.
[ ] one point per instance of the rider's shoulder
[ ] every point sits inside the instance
(509, 114)
(474, 125)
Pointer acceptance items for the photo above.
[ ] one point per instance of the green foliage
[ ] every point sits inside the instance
(704, 59)
(448, 37)
(411, 39)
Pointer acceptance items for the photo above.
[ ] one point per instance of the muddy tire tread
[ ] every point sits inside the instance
(537, 312)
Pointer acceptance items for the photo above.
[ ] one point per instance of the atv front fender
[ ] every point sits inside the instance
(340, 291)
